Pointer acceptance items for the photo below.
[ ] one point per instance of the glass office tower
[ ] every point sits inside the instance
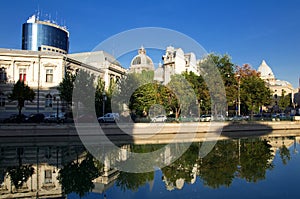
(44, 36)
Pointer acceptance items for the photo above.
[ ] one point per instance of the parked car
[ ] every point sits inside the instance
(205, 118)
(53, 118)
(159, 118)
(35, 117)
(109, 117)
(238, 118)
(218, 118)
(15, 118)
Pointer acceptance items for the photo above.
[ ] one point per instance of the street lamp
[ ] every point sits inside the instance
(239, 94)
(103, 101)
(57, 107)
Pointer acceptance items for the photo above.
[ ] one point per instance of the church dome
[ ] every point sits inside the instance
(141, 62)
(265, 71)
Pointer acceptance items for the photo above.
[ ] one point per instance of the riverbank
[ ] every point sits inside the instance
(144, 133)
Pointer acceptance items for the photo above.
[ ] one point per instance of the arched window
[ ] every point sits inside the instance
(3, 75)
(48, 102)
(137, 61)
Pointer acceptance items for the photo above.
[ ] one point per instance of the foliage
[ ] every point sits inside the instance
(20, 174)
(77, 177)
(226, 69)
(219, 166)
(100, 89)
(65, 87)
(201, 91)
(84, 92)
(132, 181)
(21, 93)
(210, 69)
(255, 159)
(253, 91)
(140, 93)
(284, 100)
(284, 153)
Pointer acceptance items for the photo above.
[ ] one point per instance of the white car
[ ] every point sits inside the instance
(205, 118)
(53, 118)
(159, 118)
(109, 117)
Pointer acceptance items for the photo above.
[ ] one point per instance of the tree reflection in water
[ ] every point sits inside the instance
(20, 174)
(77, 176)
(248, 159)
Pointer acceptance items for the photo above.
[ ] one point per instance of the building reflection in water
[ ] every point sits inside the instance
(28, 171)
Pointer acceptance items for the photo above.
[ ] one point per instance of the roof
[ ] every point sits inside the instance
(265, 70)
(94, 58)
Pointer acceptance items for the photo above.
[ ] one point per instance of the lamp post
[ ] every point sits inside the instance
(57, 107)
(103, 101)
(239, 94)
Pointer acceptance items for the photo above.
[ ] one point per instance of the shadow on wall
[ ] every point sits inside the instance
(246, 129)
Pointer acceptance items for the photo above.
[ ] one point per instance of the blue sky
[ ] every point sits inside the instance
(249, 31)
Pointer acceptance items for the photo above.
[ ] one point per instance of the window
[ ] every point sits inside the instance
(49, 75)
(48, 102)
(2, 100)
(22, 74)
(48, 176)
(3, 76)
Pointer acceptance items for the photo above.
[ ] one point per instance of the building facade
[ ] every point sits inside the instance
(141, 62)
(277, 87)
(112, 71)
(43, 71)
(175, 61)
(40, 35)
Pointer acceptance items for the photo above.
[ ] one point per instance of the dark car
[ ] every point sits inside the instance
(15, 118)
(35, 118)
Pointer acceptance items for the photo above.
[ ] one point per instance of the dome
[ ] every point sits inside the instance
(141, 62)
(265, 71)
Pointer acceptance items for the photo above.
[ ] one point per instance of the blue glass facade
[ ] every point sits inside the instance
(34, 35)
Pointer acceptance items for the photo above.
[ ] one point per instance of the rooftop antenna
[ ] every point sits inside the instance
(56, 17)
(38, 12)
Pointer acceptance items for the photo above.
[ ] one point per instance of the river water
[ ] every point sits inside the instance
(260, 167)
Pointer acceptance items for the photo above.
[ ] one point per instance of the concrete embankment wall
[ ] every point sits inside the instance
(146, 133)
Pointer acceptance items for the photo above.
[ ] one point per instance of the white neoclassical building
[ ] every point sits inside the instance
(43, 71)
(141, 62)
(276, 86)
(175, 61)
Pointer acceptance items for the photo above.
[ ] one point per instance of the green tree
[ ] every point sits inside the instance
(253, 90)
(77, 177)
(219, 166)
(65, 88)
(284, 100)
(285, 154)
(210, 69)
(100, 89)
(21, 93)
(132, 181)
(20, 174)
(201, 90)
(255, 159)
(226, 68)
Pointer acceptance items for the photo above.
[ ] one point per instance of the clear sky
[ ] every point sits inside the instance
(248, 30)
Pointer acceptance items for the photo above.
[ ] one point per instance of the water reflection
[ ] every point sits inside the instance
(54, 170)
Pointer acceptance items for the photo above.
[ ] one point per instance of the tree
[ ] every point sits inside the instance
(20, 174)
(201, 91)
(65, 88)
(226, 68)
(284, 100)
(21, 93)
(253, 91)
(77, 177)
